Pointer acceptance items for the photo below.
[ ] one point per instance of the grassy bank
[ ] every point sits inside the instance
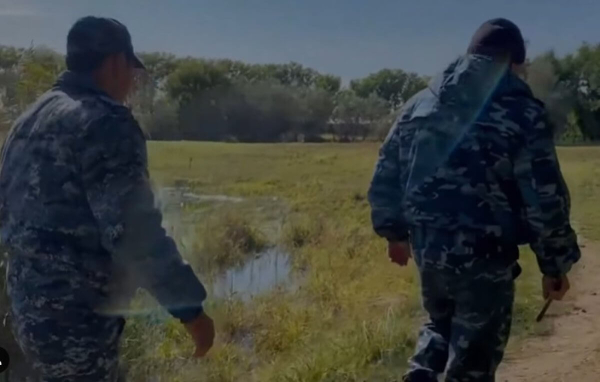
(354, 317)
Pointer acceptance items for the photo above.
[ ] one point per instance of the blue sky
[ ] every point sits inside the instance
(350, 38)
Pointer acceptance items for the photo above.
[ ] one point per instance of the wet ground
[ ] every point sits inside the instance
(265, 271)
(269, 270)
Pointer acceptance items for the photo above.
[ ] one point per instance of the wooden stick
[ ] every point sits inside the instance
(544, 309)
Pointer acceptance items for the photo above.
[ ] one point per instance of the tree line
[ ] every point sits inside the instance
(187, 98)
(198, 99)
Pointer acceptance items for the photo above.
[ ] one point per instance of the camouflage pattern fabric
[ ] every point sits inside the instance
(475, 152)
(469, 307)
(70, 344)
(471, 160)
(77, 216)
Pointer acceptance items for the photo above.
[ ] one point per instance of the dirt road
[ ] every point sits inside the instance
(571, 351)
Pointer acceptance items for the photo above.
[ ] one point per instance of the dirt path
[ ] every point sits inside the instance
(571, 352)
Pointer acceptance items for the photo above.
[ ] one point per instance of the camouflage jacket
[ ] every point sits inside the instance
(76, 208)
(474, 152)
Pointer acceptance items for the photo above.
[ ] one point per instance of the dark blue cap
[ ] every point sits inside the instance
(92, 39)
(498, 37)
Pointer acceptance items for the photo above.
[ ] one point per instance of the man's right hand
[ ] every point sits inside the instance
(202, 331)
(555, 288)
(399, 252)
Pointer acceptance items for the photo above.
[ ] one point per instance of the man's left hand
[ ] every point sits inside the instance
(399, 252)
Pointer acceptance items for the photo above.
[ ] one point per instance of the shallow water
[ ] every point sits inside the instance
(271, 269)
(168, 198)
(266, 271)
(190, 196)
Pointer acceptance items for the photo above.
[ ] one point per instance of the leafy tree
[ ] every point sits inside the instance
(24, 75)
(236, 70)
(559, 96)
(10, 57)
(192, 77)
(579, 75)
(251, 111)
(357, 117)
(49, 59)
(394, 86)
(292, 74)
(159, 65)
(38, 69)
(163, 123)
(328, 82)
(269, 111)
(312, 113)
(9, 79)
(35, 80)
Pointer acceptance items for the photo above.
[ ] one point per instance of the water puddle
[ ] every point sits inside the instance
(269, 270)
(190, 196)
(169, 198)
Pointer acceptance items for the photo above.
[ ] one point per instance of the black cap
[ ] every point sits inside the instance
(499, 37)
(92, 39)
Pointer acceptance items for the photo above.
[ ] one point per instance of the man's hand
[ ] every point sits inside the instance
(202, 331)
(555, 288)
(399, 252)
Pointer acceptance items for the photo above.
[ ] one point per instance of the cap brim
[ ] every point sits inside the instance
(137, 63)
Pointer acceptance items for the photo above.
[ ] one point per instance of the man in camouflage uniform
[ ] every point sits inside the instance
(78, 218)
(469, 172)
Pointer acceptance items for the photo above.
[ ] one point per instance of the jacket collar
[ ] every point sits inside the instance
(82, 82)
(473, 78)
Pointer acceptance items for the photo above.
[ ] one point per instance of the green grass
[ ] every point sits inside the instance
(581, 167)
(225, 239)
(355, 316)
(300, 230)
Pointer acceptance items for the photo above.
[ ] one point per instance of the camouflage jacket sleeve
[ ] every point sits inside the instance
(385, 192)
(115, 176)
(546, 200)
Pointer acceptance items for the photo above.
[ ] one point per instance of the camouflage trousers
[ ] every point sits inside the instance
(469, 299)
(62, 338)
(75, 347)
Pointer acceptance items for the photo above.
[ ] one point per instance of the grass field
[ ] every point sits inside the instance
(353, 316)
